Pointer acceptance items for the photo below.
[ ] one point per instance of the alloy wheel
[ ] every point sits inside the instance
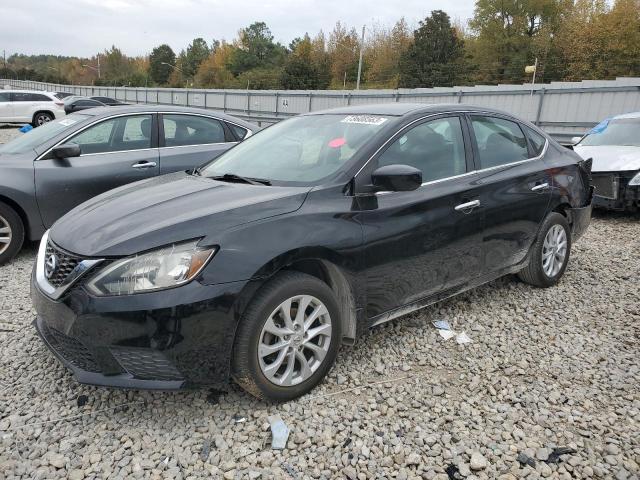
(554, 250)
(294, 340)
(42, 119)
(5, 234)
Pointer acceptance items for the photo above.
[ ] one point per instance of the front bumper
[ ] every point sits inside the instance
(613, 191)
(162, 340)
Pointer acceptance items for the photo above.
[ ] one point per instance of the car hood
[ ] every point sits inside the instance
(172, 208)
(611, 158)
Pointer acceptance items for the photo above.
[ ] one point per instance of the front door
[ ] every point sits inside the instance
(189, 141)
(115, 151)
(423, 242)
(6, 107)
(514, 187)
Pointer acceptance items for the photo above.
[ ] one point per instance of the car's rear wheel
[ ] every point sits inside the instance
(40, 118)
(550, 253)
(11, 233)
(288, 338)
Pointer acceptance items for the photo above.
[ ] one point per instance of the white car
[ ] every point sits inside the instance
(614, 145)
(27, 106)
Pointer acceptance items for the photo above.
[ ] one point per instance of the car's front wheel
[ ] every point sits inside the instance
(11, 233)
(41, 118)
(549, 255)
(288, 338)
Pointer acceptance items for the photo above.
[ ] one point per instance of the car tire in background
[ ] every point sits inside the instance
(278, 358)
(11, 233)
(549, 255)
(40, 118)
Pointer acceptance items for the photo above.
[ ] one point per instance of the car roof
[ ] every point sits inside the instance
(120, 109)
(627, 115)
(26, 91)
(401, 109)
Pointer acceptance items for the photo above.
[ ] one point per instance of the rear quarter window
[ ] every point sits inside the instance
(536, 140)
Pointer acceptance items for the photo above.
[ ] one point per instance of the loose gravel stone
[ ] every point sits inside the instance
(547, 368)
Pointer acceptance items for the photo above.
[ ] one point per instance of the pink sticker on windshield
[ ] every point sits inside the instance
(337, 142)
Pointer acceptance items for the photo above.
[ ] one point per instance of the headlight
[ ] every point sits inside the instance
(635, 181)
(163, 268)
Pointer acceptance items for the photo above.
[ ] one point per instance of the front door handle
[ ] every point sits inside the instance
(468, 206)
(540, 188)
(143, 165)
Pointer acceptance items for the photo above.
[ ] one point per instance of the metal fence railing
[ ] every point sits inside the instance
(563, 109)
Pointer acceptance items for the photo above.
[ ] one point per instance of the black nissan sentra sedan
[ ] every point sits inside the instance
(259, 265)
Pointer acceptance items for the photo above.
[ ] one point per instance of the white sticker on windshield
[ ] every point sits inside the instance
(66, 122)
(364, 119)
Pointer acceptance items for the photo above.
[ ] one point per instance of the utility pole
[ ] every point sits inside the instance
(98, 57)
(360, 61)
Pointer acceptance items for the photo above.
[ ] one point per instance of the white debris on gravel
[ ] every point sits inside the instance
(547, 368)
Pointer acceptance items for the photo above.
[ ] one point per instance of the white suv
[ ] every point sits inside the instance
(26, 106)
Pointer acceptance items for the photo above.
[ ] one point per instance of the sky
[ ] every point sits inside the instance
(86, 27)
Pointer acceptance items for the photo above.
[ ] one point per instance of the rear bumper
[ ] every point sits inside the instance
(166, 340)
(580, 220)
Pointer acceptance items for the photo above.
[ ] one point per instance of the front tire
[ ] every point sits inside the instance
(549, 254)
(11, 233)
(288, 338)
(40, 118)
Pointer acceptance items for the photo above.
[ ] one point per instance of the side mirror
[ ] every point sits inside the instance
(396, 178)
(575, 140)
(66, 150)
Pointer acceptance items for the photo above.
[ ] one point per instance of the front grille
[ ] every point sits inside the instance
(606, 185)
(70, 349)
(65, 264)
(146, 364)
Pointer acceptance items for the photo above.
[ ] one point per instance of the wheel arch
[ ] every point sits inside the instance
(21, 213)
(326, 265)
(42, 110)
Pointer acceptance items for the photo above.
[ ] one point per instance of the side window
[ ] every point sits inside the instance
(537, 141)
(436, 148)
(38, 97)
(21, 97)
(182, 130)
(5, 97)
(116, 134)
(499, 141)
(238, 131)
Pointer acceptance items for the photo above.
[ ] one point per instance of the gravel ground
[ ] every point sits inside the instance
(547, 369)
(8, 132)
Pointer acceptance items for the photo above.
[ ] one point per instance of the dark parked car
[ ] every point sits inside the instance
(260, 264)
(51, 169)
(110, 102)
(75, 104)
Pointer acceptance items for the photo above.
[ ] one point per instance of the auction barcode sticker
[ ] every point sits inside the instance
(364, 119)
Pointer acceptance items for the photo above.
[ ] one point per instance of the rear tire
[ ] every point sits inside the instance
(11, 233)
(278, 357)
(40, 118)
(550, 253)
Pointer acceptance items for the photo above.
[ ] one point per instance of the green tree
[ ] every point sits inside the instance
(433, 59)
(196, 53)
(255, 48)
(158, 71)
(300, 72)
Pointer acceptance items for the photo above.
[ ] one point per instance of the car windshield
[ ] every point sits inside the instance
(620, 132)
(301, 150)
(40, 135)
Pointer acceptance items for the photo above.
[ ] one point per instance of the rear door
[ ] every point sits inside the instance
(188, 141)
(514, 187)
(6, 107)
(115, 151)
(23, 106)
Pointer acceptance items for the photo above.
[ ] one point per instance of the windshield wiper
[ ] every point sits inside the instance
(232, 177)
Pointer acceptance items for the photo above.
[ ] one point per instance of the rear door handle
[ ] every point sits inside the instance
(468, 206)
(143, 165)
(541, 187)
